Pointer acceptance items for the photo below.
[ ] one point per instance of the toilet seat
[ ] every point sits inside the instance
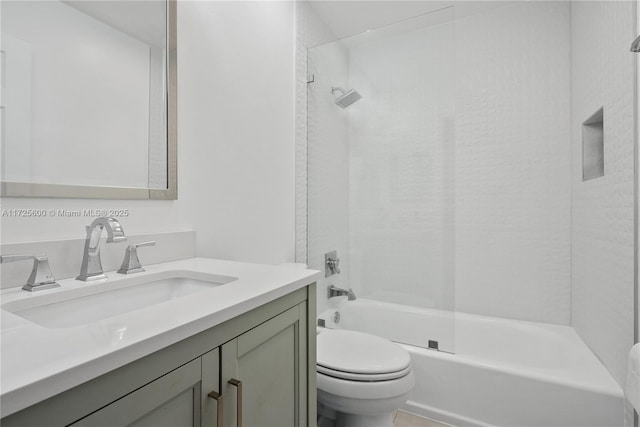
(362, 377)
(357, 356)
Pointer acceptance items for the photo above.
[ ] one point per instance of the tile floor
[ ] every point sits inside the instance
(405, 419)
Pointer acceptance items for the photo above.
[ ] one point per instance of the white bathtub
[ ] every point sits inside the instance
(503, 373)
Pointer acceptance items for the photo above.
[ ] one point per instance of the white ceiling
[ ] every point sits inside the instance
(144, 20)
(350, 17)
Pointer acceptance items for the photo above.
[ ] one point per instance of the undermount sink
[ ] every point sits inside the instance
(92, 303)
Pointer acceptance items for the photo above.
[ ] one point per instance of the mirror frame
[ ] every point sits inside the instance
(24, 189)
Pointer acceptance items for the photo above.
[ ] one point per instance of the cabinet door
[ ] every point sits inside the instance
(172, 400)
(270, 362)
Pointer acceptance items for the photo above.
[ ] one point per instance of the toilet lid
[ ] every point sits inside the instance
(354, 352)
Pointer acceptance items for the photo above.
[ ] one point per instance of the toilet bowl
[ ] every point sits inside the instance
(362, 378)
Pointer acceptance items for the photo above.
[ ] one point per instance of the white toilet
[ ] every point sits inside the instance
(362, 378)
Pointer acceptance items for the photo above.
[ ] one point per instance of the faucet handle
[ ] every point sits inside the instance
(15, 257)
(41, 277)
(131, 262)
(137, 245)
(333, 264)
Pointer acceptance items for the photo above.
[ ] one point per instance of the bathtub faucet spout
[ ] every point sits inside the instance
(336, 292)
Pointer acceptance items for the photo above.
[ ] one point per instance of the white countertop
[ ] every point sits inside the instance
(38, 362)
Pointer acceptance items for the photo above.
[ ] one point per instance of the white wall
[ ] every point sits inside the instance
(512, 162)
(236, 118)
(235, 141)
(602, 212)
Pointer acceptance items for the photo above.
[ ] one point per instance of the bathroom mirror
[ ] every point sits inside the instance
(88, 102)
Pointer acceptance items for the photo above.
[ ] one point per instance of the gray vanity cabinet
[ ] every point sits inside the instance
(270, 363)
(263, 373)
(261, 363)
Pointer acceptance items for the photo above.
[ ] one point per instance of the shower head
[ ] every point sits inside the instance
(635, 46)
(347, 98)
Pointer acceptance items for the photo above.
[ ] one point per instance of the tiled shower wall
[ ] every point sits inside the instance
(401, 166)
(513, 161)
(511, 179)
(602, 213)
(323, 212)
(503, 174)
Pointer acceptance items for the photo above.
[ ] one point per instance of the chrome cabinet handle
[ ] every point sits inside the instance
(238, 384)
(218, 398)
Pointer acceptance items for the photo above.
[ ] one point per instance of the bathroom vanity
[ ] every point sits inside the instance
(241, 352)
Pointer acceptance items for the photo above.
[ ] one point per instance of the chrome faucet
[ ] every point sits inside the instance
(91, 268)
(336, 292)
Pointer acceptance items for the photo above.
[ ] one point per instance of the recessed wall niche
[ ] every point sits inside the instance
(593, 146)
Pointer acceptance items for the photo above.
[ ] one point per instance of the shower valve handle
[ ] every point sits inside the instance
(333, 264)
